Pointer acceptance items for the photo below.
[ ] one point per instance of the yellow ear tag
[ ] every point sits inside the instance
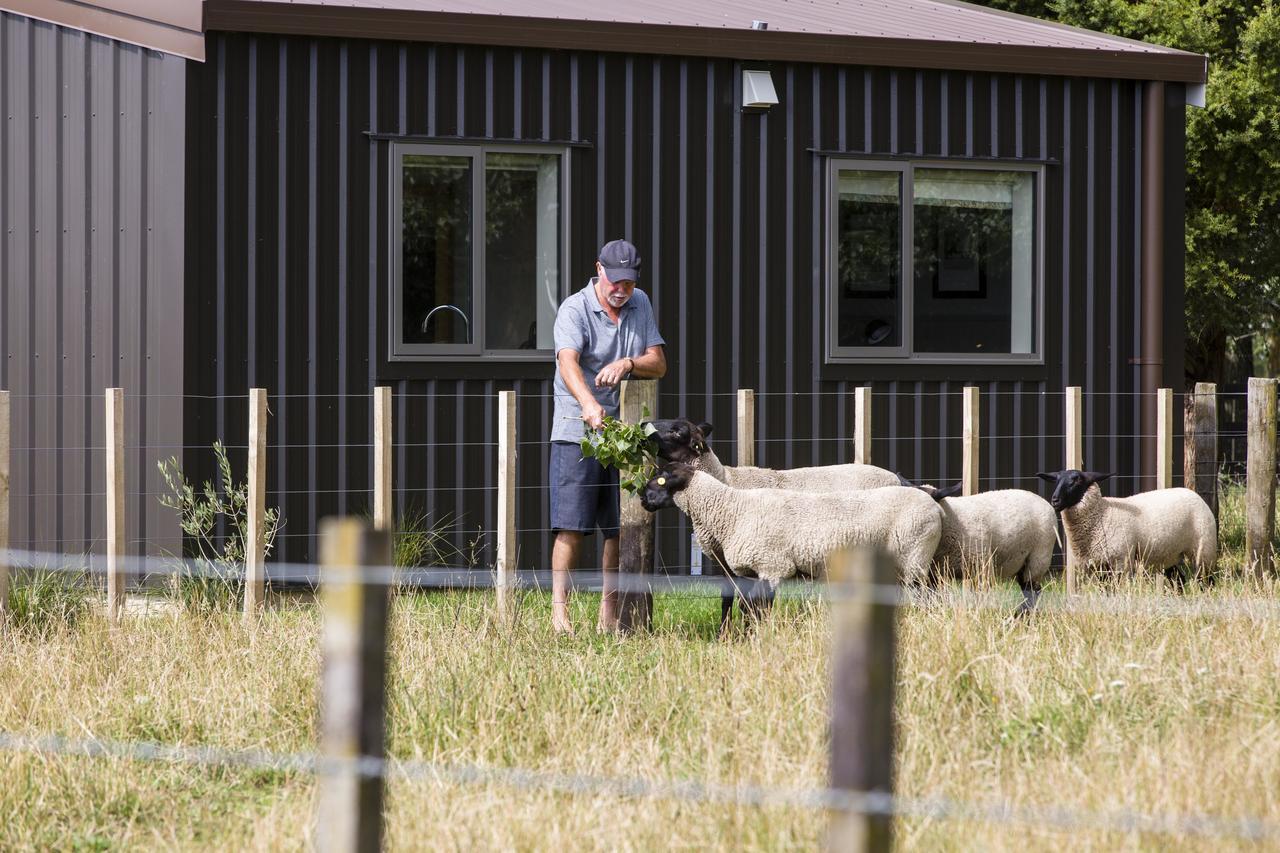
(662, 481)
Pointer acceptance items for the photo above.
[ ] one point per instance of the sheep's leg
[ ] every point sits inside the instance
(758, 600)
(1176, 578)
(1030, 594)
(727, 593)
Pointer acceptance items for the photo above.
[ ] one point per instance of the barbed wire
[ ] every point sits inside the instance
(631, 787)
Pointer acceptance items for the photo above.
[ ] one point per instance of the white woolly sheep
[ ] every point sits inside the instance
(1159, 529)
(1012, 530)
(774, 534)
(681, 440)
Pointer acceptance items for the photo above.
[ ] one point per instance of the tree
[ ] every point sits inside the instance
(1233, 160)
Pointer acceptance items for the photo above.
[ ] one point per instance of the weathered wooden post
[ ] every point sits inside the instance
(506, 562)
(1200, 457)
(1260, 489)
(635, 547)
(4, 503)
(863, 735)
(114, 400)
(972, 440)
(746, 426)
(255, 551)
(353, 687)
(1075, 460)
(862, 425)
(383, 500)
(1164, 438)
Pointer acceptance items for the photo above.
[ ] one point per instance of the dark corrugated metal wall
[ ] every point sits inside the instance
(92, 181)
(289, 239)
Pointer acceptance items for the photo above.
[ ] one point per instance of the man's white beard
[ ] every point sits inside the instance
(617, 301)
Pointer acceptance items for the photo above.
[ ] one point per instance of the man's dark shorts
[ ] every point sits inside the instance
(584, 494)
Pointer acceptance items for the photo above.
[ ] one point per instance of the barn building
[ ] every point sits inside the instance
(318, 197)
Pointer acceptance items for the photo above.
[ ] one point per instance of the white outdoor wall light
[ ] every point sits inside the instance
(757, 89)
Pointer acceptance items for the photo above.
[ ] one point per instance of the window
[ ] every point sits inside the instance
(933, 262)
(477, 250)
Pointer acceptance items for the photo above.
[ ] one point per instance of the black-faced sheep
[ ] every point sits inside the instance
(1158, 529)
(774, 534)
(1011, 530)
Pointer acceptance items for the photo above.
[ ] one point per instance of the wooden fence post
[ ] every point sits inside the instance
(862, 426)
(383, 501)
(1075, 460)
(635, 548)
(864, 636)
(972, 438)
(114, 400)
(746, 426)
(4, 503)
(353, 687)
(1260, 490)
(1200, 456)
(255, 552)
(506, 562)
(1164, 438)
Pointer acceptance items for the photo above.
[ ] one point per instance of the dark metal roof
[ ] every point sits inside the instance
(172, 26)
(903, 33)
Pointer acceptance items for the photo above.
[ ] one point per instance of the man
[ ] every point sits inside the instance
(604, 333)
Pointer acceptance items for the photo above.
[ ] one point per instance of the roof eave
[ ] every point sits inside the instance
(766, 45)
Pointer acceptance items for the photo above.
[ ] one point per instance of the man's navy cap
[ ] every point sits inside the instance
(620, 260)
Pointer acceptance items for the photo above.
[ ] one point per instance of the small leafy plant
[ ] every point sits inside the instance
(215, 582)
(625, 447)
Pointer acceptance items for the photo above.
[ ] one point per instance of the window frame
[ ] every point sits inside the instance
(905, 353)
(398, 349)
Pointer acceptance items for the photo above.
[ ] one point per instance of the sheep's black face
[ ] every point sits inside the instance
(680, 439)
(660, 491)
(1069, 486)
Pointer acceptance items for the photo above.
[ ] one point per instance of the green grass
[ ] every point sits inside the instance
(1075, 710)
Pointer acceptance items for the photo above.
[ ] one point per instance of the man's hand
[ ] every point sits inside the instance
(593, 415)
(613, 372)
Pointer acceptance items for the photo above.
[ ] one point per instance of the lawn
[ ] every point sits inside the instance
(1086, 711)
(1111, 707)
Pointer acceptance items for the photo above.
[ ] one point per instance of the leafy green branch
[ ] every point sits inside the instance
(625, 447)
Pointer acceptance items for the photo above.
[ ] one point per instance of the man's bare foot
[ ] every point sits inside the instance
(561, 625)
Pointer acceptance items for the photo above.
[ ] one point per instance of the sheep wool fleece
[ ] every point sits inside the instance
(1012, 528)
(1157, 529)
(775, 534)
(821, 478)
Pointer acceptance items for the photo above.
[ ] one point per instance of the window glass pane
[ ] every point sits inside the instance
(869, 259)
(436, 249)
(974, 261)
(522, 250)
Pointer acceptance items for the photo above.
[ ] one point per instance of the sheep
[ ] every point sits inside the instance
(1158, 529)
(1012, 529)
(682, 440)
(774, 534)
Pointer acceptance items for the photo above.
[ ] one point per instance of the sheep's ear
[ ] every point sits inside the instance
(1049, 478)
(948, 492)
(1097, 477)
(705, 428)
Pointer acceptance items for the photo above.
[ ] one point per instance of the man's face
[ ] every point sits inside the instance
(616, 293)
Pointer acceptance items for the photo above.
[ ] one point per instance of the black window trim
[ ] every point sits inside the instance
(397, 349)
(905, 354)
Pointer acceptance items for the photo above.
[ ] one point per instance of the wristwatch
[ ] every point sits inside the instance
(632, 368)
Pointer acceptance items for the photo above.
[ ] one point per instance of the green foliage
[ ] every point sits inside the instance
(1233, 157)
(45, 601)
(420, 541)
(215, 582)
(625, 447)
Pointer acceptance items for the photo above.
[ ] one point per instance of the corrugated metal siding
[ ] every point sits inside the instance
(91, 176)
(289, 244)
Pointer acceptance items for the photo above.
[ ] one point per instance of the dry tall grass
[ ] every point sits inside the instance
(1095, 712)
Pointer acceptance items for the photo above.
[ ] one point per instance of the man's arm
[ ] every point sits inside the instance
(651, 365)
(571, 373)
